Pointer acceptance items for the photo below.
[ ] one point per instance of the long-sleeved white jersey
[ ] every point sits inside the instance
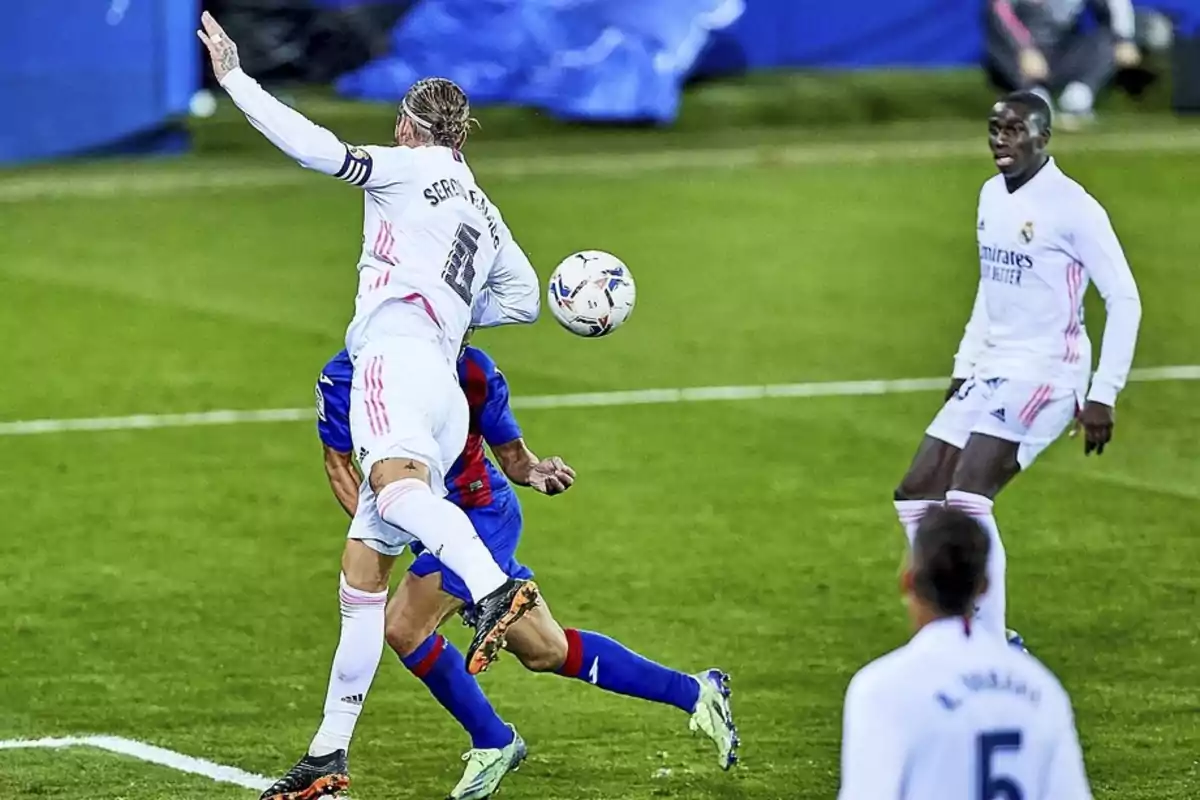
(431, 236)
(1039, 247)
(952, 715)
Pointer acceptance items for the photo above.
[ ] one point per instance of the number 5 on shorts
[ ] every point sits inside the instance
(992, 786)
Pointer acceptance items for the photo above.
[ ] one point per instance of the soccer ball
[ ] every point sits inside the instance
(591, 293)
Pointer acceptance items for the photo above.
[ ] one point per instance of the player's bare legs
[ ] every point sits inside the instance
(404, 500)
(926, 482)
(542, 645)
(362, 594)
(417, 609)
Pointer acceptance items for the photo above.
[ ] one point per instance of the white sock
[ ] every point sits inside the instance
(445, 531)
(354, 663)
(989, 612)
(1077, 98)
(910, 512)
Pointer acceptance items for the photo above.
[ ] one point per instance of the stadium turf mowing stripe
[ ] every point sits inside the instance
(634, 397)
(122, 181)
(149, 753)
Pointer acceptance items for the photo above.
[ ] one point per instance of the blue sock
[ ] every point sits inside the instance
(441, 668)
(612, 666)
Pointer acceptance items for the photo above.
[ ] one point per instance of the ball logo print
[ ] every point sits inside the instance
(591, 293)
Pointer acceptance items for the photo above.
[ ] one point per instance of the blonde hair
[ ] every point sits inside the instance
(439, 108)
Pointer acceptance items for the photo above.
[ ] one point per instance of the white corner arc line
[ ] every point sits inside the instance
(150, 754)
(695, 394)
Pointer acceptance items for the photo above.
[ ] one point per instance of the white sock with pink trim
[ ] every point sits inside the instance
(910, 512)
(990, 610)
(354, 664)
(446, 532)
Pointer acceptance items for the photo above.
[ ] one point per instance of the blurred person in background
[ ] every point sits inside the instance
(1044, 46)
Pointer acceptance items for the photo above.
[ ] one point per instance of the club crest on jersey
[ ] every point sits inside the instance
(981, 226)
(1027, 232)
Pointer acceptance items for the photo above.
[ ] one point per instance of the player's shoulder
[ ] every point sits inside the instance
(887, 675)
(991, 187)
(1071, 194)
(1044, 678)
(339, 369)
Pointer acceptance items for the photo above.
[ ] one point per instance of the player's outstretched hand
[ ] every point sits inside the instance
(551, 476)
(1097, 421)
(221, 48)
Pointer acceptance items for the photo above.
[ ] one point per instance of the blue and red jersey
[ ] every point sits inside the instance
(473, 481)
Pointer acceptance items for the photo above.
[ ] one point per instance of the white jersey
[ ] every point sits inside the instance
(961, 716)
(431, 238)
(1039, 248)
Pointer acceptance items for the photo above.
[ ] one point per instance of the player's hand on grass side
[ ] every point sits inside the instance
(955, 385)
(1097, 422)
(221, 48)
(551, 476)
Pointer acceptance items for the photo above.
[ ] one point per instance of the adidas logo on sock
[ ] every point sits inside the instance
(355, 699)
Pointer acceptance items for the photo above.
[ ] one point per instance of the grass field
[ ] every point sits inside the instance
(177, 586)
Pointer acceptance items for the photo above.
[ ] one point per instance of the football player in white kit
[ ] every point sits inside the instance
(436, 259)
(956, 713)
(1021, 372)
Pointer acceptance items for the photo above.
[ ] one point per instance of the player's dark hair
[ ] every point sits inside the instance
(949, 560)
(1037, 105)
(439, 108)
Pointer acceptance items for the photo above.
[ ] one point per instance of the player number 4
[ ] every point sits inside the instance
(459, 271)
(991, 785)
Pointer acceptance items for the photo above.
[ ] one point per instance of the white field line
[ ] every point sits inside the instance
(129, 179)
(151, 754)
(635, 397)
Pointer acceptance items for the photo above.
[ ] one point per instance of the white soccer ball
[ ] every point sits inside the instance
(591, 293)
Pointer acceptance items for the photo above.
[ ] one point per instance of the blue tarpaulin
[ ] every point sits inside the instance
(579, 59)
(628, 59)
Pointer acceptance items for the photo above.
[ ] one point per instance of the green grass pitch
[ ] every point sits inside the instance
(177, 586)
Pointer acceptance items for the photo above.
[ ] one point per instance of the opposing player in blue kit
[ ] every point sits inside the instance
(430, 593)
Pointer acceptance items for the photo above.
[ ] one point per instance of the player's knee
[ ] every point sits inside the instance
(392, 497)
(918, 487)
(403, 637)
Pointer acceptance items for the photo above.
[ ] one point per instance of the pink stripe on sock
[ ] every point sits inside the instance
(362, 600)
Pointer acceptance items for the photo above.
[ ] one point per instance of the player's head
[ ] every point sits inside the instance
(1018, 132)
(947, 566)
(434, 111)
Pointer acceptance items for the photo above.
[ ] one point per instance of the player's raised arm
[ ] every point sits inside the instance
(872, 746)
(512, 293)
(310, 145)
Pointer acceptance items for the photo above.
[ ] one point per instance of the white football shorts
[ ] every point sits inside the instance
(1031, 414)
(370, 529)
(406, 402)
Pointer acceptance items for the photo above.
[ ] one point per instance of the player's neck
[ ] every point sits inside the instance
(924, 616)
(1017, 181)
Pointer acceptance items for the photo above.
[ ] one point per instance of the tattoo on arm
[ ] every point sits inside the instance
(229, 58)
